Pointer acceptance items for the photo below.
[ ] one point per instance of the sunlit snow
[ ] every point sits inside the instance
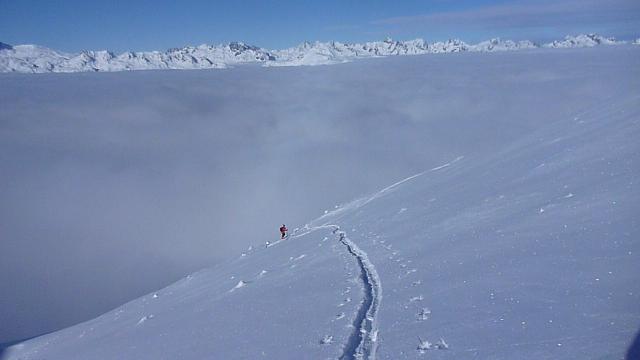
(529, 251)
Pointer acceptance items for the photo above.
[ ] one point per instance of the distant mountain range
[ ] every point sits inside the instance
(38, 59)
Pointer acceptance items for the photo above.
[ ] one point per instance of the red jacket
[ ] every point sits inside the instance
(283, 229)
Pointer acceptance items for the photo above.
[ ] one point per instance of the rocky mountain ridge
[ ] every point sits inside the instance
(37, 59)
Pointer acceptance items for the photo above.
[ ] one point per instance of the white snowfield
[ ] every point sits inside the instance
(528, 252)
(37, 59)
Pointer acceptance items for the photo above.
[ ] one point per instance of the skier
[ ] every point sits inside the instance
(283, 231)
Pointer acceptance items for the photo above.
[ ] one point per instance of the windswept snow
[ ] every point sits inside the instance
(528, 251)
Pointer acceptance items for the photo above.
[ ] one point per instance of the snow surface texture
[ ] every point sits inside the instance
(37, 59)
(529, 252)
(121, 139)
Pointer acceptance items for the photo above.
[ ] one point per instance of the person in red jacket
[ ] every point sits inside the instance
(283, 231)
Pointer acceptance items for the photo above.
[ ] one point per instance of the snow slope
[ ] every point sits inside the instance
(37, 59)
(530, 252)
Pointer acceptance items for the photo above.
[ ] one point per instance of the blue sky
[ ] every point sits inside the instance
(118, 25)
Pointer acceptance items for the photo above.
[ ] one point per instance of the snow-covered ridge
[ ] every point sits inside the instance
(588, 40)
(37, 59)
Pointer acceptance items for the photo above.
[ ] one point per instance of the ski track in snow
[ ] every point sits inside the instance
(362, 342)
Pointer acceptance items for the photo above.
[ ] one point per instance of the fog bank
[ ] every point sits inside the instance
(114, 184)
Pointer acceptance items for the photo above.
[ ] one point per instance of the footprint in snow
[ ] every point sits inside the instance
(425, 345)
(145, 318)
(424, 314)
(262, 273)
(416, 298)
(406, 273)
(297, 258)
(240, 284)
(326, 340)
(345, 302)
(340, 316)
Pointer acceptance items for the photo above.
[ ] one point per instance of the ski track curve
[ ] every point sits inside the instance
(362, 342)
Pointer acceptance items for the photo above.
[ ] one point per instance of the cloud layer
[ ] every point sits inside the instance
(114, 184)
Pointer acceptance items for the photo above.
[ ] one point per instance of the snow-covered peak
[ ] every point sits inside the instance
(233, 52)
(498, 44)
(393, 47)
(4, 46)
(335, 52)
(316, 53)
(32, 58)
(588, 40)
(451, 45)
